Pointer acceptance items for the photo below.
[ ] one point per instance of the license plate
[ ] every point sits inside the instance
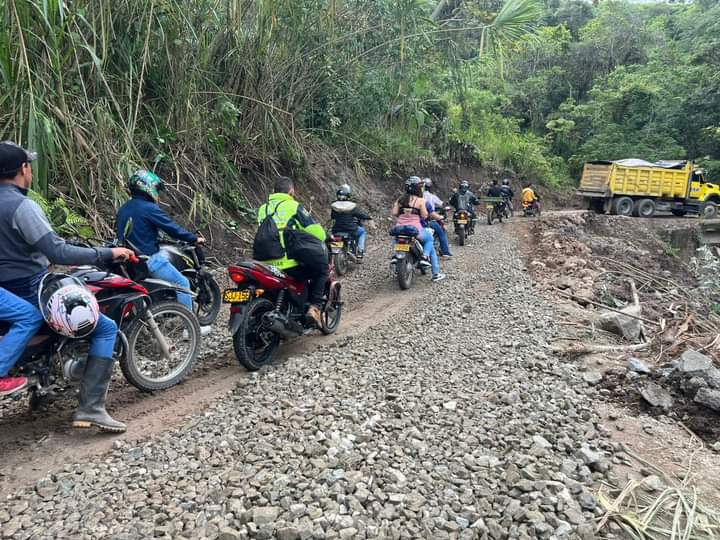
(402, 247)
(235, 296)
(490, 206)
(462, 221)
(338, 245)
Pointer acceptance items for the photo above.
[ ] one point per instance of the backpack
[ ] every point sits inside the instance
(267, 245)
(306, 249)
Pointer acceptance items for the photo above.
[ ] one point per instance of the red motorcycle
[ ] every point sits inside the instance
(268, 306)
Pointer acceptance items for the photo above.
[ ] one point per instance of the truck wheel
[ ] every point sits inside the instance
(709, 210)
(623, 206)
(645, 208)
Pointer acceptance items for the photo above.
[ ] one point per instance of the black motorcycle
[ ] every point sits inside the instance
(408, 256)
(189, 259)
(464, 225)
(343, 247)
(494, 209)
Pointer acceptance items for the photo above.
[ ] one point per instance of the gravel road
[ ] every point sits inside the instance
(443, 416)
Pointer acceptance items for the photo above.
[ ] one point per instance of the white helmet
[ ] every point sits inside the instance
(67, 306)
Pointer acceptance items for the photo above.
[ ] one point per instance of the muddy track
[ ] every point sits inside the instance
(34, 444)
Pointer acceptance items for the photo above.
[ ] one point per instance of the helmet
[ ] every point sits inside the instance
(428, 183)
(414, 186)
(344, 192)
(464, 186)
(67, 306)
(506, 182)
(147, 183)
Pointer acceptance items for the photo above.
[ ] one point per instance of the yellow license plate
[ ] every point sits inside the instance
(336, 244)
(234, 296)
(462, 221)
(402, 247)
(490, 206)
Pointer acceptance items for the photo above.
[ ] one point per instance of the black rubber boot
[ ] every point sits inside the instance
(93, 392)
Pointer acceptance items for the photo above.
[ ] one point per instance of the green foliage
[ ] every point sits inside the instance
(63, 220)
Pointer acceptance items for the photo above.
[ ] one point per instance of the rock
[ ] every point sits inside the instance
(229, 534)
(264, 514)
(653, 483)
(541, 441)
(708, 397)
(588, 456)
(287, 533)
(350, 532)
(563, 529)
(592, 378)
(657, 396)
(693, 362)
(627, 327)
(637, 365)
(450, 405)
(397, 477)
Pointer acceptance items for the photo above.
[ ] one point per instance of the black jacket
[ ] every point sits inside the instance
(346, 217)
(507, 192)
(464, 201)
(495, 191)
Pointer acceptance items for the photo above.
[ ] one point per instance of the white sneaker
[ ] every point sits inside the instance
(438, 277)
(205, 330)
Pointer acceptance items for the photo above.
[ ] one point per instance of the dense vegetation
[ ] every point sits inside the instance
(220, 94)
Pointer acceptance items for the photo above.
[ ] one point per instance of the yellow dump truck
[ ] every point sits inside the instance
(640, 188)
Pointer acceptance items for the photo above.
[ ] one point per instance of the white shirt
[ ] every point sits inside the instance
(432, 199)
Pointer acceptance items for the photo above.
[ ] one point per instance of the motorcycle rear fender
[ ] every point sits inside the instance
(334, 292)
(237, 314)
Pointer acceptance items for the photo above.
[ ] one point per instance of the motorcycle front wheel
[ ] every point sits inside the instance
(330, 318)
(461, 236)
(208, 300)
(255, 345)
(144, 364)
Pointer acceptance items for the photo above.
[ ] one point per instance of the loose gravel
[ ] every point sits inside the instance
(448, 419)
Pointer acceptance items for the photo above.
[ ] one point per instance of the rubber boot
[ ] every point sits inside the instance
(93, 392)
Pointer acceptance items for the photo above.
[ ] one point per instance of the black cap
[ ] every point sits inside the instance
(13, 156)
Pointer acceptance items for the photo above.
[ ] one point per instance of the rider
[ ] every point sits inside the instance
(464, 199)
(410, 209)
(287, 212)
(347, 218)
(148, 219)
(529, 198)
(24, 321)
(28, 245)
(507, 192)
(496, 191)
(436, 202)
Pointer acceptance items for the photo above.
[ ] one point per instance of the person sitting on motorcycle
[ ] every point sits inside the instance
(507, 193)
(436, 203)
(28, 245)
(496, 191)
(287, 212)
(25, 320)
(529, 198)
(347, 218)
(465, 200)
(148, 219)
(410, 210)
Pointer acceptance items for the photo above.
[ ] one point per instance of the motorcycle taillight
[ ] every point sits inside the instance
(236, 274)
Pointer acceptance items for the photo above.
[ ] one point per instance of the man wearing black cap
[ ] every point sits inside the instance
(28, 245)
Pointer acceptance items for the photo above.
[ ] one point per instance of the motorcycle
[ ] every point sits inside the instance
(343, 248)
(267, 306)
(464, 225)
(494, 209)
(190, 261)
(531, 209)
(507, 209)
(407, 257)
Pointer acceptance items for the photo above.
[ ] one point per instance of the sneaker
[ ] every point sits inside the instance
(313, 313)
(438, 277)
(425, 263)
(205, 330)
(447, 256)
(359, 257)
(10, 385)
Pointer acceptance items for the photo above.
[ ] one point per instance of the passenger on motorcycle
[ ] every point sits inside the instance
(148, 219)
(464, 199)
(529, 198)
(347, 218)
(287, 212)
(24, 320)
(410, 210)
(28, 245)
(435, 203)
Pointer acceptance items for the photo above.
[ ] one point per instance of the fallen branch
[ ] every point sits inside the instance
(585, 348)
(598, 304)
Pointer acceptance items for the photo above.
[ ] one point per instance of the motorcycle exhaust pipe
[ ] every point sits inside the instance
(278, 326)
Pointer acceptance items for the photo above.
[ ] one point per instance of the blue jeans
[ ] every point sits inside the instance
(102, 339)
(426, 239)
(442, 236)
(161, 268)
(360, 234)
(25, 321)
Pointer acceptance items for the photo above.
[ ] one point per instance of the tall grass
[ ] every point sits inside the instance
(211, 92)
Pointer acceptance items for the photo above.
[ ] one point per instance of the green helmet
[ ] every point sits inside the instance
(146, 182)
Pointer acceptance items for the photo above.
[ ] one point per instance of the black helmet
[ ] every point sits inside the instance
(344, 192)
(414, 186)
(506, 182)
(464, 186)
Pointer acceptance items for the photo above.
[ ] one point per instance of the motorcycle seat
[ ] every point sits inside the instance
(342, 234)
(405, 230)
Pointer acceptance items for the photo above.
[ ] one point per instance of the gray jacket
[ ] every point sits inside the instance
(28, 243)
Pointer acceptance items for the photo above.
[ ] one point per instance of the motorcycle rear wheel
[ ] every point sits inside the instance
(208, 301)
(143, 365)
(461, 236)
(405, 273)
(254, 346)
(341, 265)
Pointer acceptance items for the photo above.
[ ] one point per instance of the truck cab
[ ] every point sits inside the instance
(703, 190)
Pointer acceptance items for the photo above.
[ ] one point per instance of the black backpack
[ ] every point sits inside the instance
(266, 245)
